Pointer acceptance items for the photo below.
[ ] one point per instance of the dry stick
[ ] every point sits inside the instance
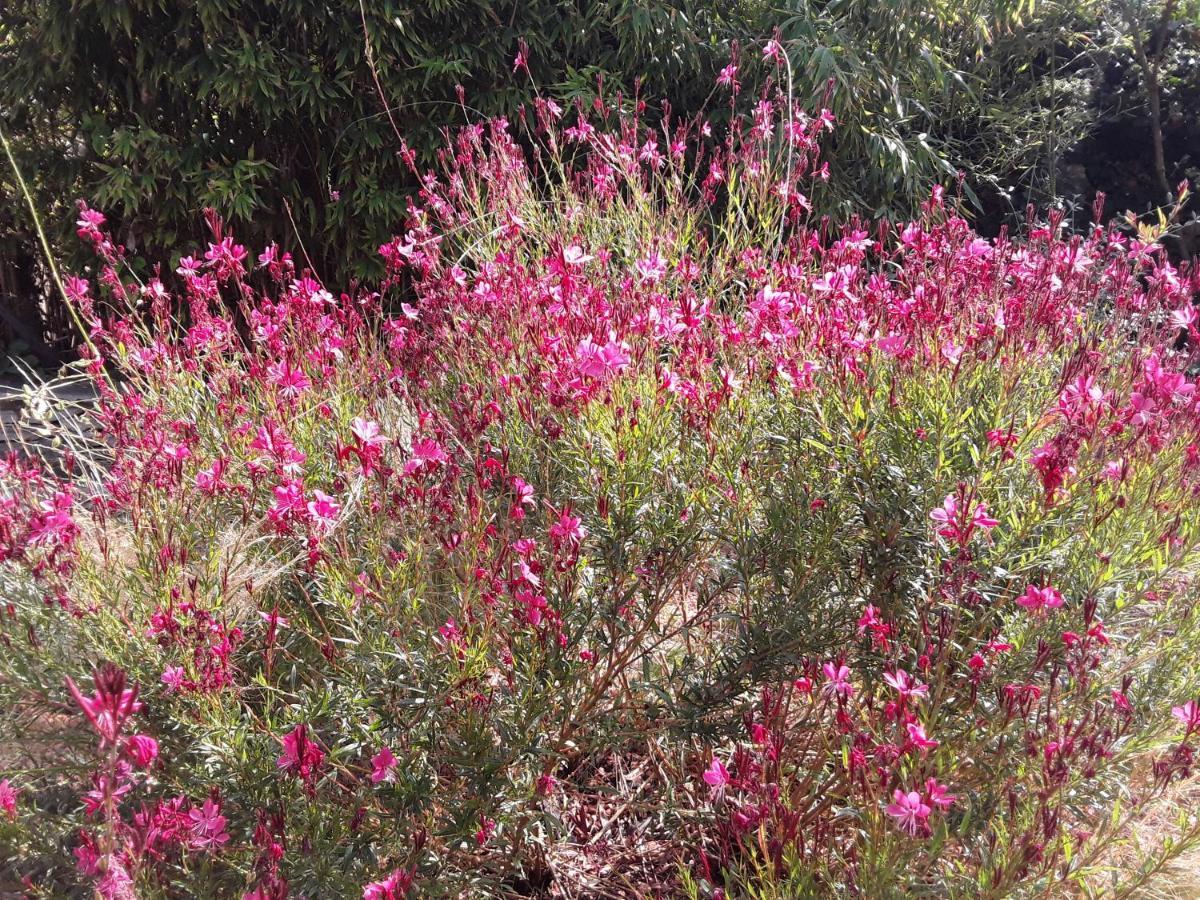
(375, 72)
(622, 807)
(300, 240)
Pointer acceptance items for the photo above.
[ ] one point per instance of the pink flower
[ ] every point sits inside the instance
(1053, 467)
(8, 799)
(568, 531)
(909, 810)
(175, 452)
(652, 268)
(384, 763)
(937, 795)
(271, 259)
(54, 526)
(951, 352)
(323, 509)
(650, 154)
(226, 258)
(1080, 397)
(275, 445)
(487, 827)
(574, 255)
(716, 775)
(291, 381)
(395, 887)
(301, 757)
(106, 787)
(596, 361)
(87, 860)
(173, 677)
(451, 634)
(880, 629)
(207, 826)
(142, 748)
(289, 499)
(427, 453)
(904, 685)
(1002, 440)
(89, 223)
(77, 289)
(980, 518)
(520, 61)
(946, 515)
(534, 605)
(524, 492)
(1039, 599)
(367, 432)
(916, 734)
(1188, 714)
(1184, 317)
(837, 680)
(956, 526)
(111, 704)
(273, 619)
(116, 883)
(209, 480)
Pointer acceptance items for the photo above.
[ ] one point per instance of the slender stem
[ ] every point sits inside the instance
(49, 254)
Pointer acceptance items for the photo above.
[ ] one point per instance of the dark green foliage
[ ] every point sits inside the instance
(154, 109)
(1012, 93)
(902, 77)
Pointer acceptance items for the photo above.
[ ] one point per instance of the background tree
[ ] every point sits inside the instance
(269, 111)
(1149, 28)
(900, 75)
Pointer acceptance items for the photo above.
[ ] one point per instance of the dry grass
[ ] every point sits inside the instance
(1165, 818)
(620, 845)
(1180, 878)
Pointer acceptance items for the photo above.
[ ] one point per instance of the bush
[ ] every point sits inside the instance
(665, 538)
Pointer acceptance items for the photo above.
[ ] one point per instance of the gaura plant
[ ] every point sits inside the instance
(637, 533)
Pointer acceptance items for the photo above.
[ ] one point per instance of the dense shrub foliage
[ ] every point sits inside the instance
(663, 538)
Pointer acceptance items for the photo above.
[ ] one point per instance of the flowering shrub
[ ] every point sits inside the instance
(658, 531)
